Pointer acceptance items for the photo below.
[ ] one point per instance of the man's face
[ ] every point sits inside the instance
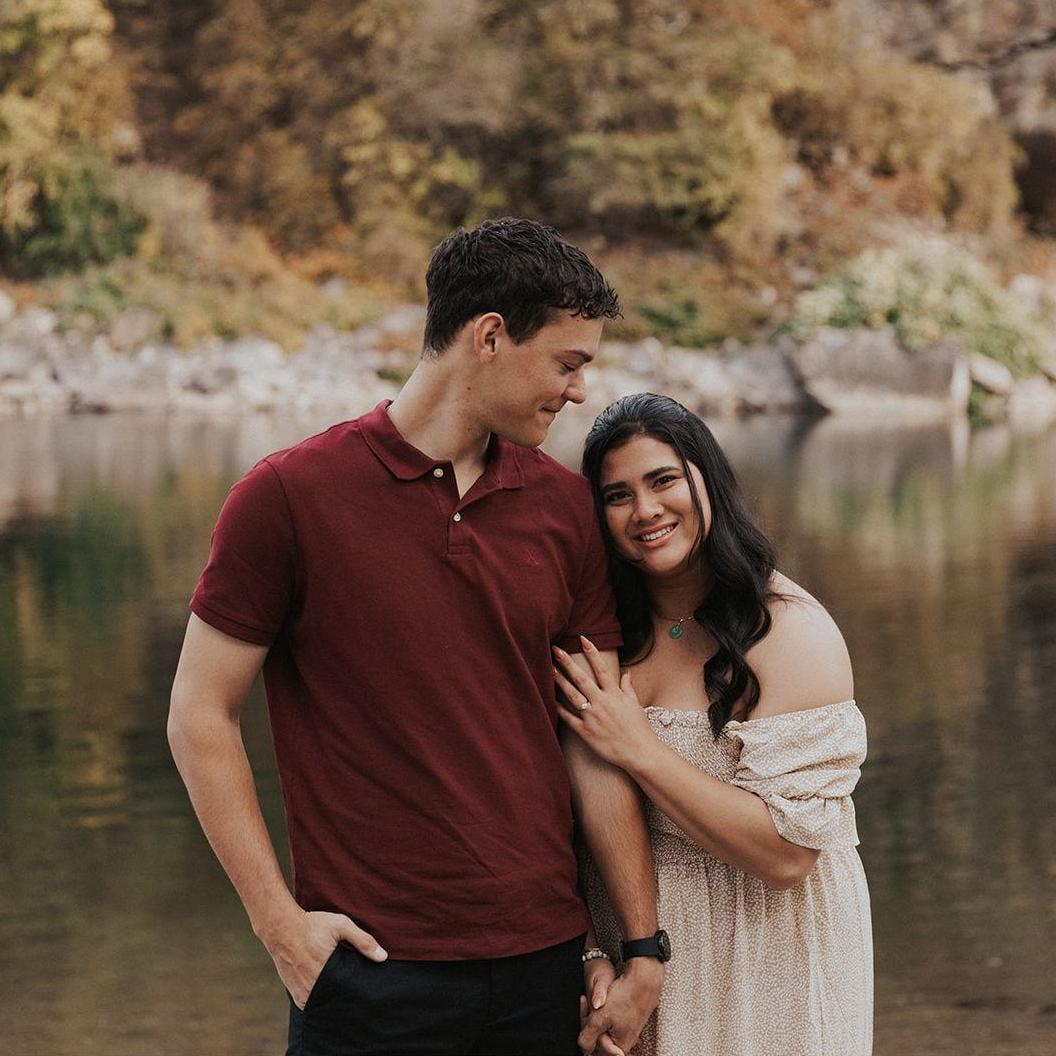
(529, 383)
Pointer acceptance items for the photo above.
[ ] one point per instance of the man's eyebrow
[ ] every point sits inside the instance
(651, 475)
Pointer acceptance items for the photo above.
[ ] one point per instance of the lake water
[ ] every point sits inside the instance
(934, 548)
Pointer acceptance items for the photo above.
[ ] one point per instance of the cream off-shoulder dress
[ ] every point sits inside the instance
(758, 972)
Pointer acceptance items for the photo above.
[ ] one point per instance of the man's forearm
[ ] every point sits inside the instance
(212, 761)
(611, 818)
(612, 822)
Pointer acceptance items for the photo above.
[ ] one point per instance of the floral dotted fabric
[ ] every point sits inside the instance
(757, 972)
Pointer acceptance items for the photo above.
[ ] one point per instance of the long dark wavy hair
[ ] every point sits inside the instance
(740, 558)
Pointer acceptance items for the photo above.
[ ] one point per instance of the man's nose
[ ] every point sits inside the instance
(576, 389)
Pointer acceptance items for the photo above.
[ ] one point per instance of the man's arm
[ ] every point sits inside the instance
(213, 679)
(609, 811)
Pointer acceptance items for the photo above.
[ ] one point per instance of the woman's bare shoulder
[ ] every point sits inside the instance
(803, 661)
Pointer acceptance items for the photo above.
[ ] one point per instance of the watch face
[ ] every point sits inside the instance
(663, 944)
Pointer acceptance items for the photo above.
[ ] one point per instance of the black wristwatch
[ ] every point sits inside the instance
(658, 946)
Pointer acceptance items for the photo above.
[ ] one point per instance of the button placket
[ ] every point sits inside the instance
(458, 535)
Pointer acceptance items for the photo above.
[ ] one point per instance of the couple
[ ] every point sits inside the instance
(428, 595)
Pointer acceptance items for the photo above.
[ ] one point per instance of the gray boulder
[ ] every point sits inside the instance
(31, 328)
(765, 381)
(134, 328)
(868, 373)
(989, 375)
(118, 384)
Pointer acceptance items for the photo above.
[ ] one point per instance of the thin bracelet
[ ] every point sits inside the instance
(595, 953)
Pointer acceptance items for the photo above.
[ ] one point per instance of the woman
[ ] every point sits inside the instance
(735, 716)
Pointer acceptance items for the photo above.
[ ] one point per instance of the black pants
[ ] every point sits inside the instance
(526, 1005)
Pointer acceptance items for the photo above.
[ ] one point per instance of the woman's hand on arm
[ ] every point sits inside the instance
(602, 707)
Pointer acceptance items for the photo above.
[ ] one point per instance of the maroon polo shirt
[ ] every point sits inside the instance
(409, 679)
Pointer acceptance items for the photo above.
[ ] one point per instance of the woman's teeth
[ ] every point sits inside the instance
(648, 537)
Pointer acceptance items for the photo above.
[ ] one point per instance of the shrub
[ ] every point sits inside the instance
(64, 116)
(682, 298)
(925, 289)
(74, 221)
(894, 116)
(202, 276)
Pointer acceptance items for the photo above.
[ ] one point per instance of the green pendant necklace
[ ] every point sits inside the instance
(676, 629)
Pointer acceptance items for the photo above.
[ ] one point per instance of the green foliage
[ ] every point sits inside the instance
(679, 320)
(376, 125)
(927, 289)
(664, 119)
(681, 298)
(283, 306)
(978, 398)
(63, 116)
(75, 222)
(356, 132)
(893, 116)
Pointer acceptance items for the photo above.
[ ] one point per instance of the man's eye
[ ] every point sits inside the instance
(568, 368)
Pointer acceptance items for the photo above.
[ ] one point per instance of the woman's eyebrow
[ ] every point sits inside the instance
(651, 475)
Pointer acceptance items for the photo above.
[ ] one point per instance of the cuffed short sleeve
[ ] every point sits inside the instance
(247, 587)
(594, 607)
(804, 766)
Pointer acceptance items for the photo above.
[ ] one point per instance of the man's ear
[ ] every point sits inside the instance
(488, 331)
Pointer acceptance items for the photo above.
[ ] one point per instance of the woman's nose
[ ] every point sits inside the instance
(647, 507)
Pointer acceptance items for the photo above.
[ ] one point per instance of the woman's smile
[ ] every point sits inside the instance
(656, 537)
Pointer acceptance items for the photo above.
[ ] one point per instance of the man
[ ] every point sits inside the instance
(401, 579)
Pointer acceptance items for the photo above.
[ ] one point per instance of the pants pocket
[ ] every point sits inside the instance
(322, 980)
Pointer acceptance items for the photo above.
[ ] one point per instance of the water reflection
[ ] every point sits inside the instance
(934, 548)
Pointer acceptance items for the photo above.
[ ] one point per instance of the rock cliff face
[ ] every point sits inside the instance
(1009, 44)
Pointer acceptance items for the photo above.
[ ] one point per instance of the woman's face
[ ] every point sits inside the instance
(649, 508)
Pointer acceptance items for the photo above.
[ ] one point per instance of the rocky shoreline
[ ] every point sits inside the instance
(128, 366)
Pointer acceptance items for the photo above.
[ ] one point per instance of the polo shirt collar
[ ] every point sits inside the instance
(405, 462)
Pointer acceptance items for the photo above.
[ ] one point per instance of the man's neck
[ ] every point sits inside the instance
(432, 413)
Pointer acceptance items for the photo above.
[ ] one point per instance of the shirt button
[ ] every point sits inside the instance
(438, 472)
(457, 517)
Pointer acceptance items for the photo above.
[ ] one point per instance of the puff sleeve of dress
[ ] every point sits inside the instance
(804, 766)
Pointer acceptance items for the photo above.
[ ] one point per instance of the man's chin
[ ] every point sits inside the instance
(526, 436)
(528, 441)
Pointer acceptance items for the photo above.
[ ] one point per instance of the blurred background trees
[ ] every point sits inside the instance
(65, 117)
(716, 154)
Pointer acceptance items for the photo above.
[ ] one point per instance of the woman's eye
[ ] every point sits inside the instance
(666, 479)
(614, 497)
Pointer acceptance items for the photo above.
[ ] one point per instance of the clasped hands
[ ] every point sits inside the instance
(618, 1007)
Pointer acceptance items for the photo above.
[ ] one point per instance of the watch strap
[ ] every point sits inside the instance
(656, 946)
